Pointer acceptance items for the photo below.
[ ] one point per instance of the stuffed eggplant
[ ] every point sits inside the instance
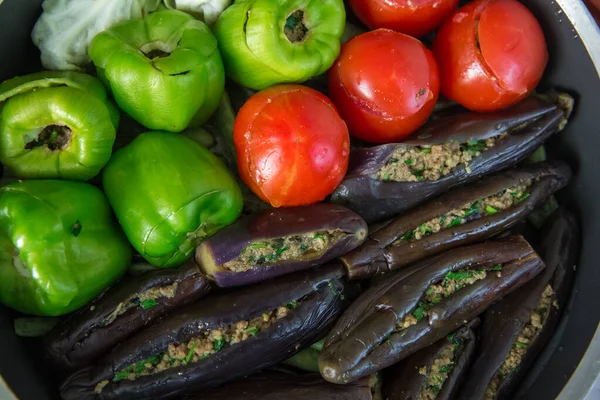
(120, 312)
(462, 216)
(435, 372)
(516, 329)
(218, 339)
(280, 241)
(284, 384)
(419, 305)
(385, 180)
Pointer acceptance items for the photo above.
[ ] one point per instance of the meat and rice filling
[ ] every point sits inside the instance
(201, 347)
(306, 246)
(146, 300)
(527, 336)
(452, 283)
(498, 202)
(438, 372)
(430, 163)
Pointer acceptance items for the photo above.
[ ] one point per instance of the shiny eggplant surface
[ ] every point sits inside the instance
(121, 311)
(462, 216)
(216, 340)
(436, 371)
(526, 125)
(419, 305)
(286, 385)
(515, 329)
(277, 242)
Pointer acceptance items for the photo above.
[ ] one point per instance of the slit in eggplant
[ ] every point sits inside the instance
(304, 247)
(430, 163)
(201, 347)
(146, 300)
(453, 282)
(437, 374)
(528, 335)
(501, 201)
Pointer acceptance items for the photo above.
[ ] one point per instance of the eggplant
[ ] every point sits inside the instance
(437, 371)
(526, 125)
(220, 338)
(284, 384)
(462, 216)
(121, 311)
(421, 304)
(516, 329)
(278, 242)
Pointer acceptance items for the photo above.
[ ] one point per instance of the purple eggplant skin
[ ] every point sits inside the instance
(285, 384)
(80, 339)
(504, 321)
(403, 380)
(363, 340)
(228, 244)
(324, 295)
(376, 200)
(378, 254)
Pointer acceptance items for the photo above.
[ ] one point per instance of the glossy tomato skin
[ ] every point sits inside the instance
(416, 18)
(385, 85)
(292, 145)
(491, 54)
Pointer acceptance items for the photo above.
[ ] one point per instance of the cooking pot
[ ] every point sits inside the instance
(569, 367)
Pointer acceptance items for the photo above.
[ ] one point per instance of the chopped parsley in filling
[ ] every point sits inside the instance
(438, 372)
(452, 283)
(430, 163)
(146, 300)
(202, 346)
(490, 205)
(306, 246)
(527, 336)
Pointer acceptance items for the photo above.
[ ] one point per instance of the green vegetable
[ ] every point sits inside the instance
(258, 245)
(164, 70)
(253, 330)
(425, 229)
(292, 305)
(190, 353)
(264, 43)
(521, 344)
(44, 268)
(419, 312)
(219, 344)
(496, 268)
(490, 210)
(387, 177)
(319, 236)
(473, 209)
(408, 235)
(454, 222)
(426, 150)
(56, 125)
(335, 291)
(148, 304)
(475, 146)
(137, 368)
(169, 193)
(408, 161)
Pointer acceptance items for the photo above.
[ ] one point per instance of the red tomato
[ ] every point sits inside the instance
(491, 54)
(385, 85)
(413, 17)
(292, 145)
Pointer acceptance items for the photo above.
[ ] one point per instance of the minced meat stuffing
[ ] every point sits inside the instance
(452, 283)
(500, 201)
(201, 347)
(526, 337)
(146, 300)
(430, 163)
(307, 246)
(436, 375)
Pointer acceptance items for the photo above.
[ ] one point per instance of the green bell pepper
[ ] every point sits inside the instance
(264, 43)
(164, 70)
(59, 246)
(169, 193)
(56, 125)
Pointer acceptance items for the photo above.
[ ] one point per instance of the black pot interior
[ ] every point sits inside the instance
(570, 69)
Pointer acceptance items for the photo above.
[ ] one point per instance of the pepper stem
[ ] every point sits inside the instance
(294, 29)
(55, 137)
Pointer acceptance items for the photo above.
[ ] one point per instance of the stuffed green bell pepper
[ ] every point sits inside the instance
(59, 246)
(56, 125)
(266, 42)
(164, 70)
(169, 193)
